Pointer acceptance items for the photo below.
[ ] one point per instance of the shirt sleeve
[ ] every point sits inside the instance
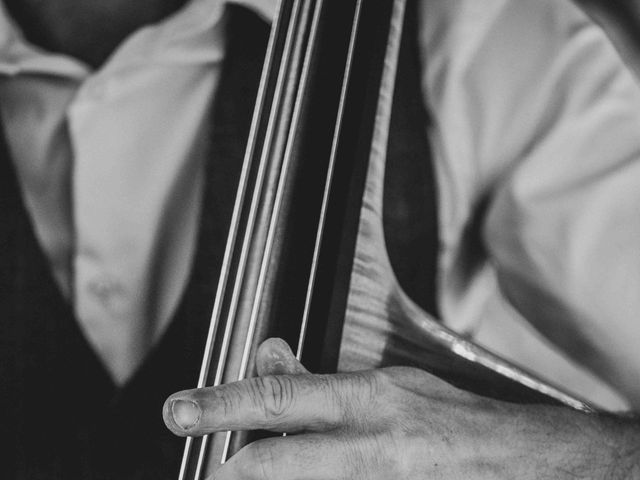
(558, 147)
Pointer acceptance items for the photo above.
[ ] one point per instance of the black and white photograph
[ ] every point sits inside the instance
(320, 239)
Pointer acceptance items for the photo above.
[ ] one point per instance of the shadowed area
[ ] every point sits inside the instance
(89, 30)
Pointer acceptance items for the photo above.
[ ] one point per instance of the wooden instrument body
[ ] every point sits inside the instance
(306, 254)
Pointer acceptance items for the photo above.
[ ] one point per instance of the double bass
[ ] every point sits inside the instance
(306, 248)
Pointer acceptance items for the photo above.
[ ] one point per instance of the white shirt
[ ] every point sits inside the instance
(533, 111)
(536, 114)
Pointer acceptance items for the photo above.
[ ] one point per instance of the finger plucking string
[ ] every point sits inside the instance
(275, 357)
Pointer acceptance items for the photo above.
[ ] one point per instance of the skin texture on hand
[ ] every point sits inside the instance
(396, 423)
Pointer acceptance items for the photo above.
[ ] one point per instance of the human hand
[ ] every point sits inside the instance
(399, 423)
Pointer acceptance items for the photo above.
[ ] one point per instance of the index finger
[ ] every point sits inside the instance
(279, 403)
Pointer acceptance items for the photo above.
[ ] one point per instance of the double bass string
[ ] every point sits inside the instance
(325, 200)
(272, 162)
(289, 56)
(297, 46)
(300, 89)
(267, 143)
(278, 202)
(235, 231)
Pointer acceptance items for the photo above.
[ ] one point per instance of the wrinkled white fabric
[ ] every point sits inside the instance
(537, 122)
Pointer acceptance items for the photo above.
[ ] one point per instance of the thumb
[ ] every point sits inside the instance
(275, 357)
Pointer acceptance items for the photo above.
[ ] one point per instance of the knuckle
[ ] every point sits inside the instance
(368, 386)
(364, 457)
(352, 462)
(230, 397)
(273, 396)
(392, 401)
(355, 397)
(374, 455)
(380, 381)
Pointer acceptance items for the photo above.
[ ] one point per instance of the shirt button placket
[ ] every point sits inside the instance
(106, 291)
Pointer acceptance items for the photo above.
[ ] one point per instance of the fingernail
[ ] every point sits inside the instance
(186, 413)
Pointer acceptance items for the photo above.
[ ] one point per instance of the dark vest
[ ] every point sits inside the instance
(61, 416)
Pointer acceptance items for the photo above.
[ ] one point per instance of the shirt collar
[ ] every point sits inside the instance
(184, 37)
